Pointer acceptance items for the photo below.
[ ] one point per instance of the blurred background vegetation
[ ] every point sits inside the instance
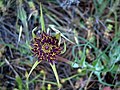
(89, 35)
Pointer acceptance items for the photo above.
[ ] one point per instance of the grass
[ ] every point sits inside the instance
(88, 33)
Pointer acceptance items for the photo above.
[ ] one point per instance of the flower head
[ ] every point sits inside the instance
(45, 47)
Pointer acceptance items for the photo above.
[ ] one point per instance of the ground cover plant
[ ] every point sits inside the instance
(59, 45)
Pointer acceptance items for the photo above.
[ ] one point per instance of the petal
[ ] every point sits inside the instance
(37, 39)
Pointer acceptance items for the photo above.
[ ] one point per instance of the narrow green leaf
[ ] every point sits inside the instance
(19, 82)
(33, 67)
(33, 34)
(2, 63)
(53, 20)
(22, 14)
(42, 19)
(64, 50)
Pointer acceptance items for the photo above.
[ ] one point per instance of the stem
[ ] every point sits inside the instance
(27, 86)
(88, 80)
(56, 74)
(71, 77)
(64, 60)
(27, 76)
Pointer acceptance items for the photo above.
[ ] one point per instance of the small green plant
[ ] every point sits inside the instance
(45, 47)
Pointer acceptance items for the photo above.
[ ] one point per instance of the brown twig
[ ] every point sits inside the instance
(63, 60)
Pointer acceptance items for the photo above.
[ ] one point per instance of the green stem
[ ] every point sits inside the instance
(88, 80)
(56, 74)
(71, 77)
(28, 75)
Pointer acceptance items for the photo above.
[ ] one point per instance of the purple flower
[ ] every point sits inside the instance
(45, 47)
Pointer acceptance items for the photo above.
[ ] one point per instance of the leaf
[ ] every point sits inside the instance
(83, 63)
(19, 82)
(57, 31)
(33, 67)
(22, 14)
(97, 65)
(2, 63)
(116, 68)
(64, 50)
(100, 7)
(33, 34)
(42, 19)
(114, 53)
(53, 20)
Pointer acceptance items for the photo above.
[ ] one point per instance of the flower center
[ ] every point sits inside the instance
(46, 48)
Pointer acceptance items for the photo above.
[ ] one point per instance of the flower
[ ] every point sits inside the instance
(45, 47)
